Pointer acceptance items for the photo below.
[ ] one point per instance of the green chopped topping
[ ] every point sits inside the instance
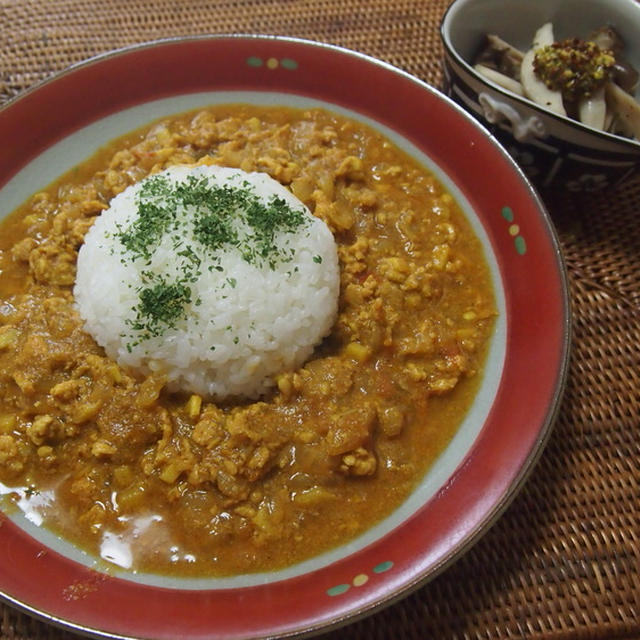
(266, 222)
(156, 213)
(164, 302)
(215, 231)
(160, 306)
(222, 217)
(199, 218)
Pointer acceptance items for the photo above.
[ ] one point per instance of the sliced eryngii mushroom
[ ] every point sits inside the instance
(534, 88)
(592, 111)
(500, 79)
(625, 107)
(625, 75)
(500, 55)
(610, 121)
(497, 43)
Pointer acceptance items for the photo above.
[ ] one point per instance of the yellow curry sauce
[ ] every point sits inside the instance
(188, 487)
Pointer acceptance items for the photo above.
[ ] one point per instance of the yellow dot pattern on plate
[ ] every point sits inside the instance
(360, 579)
(514, 230)
(272, 63)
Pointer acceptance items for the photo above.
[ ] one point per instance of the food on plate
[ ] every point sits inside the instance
(217, 278)
(589, 79)
(533, 84)
(108, 441)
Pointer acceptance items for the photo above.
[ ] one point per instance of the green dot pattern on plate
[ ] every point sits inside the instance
(383, 566)
(507, 214)
(359, 580)
(271, 63)
(514, 230)
(338, 590)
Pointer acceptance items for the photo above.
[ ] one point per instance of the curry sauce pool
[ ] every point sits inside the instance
(175, 483)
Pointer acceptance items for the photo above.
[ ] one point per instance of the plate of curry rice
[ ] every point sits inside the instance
(282, 330)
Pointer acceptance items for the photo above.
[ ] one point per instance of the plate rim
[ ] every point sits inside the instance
(514, 487)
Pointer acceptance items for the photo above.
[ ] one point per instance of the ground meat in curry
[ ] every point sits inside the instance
(196, 488)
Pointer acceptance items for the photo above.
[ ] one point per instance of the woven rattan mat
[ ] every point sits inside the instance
(564, 560)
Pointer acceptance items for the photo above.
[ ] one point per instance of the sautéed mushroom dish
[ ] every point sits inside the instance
(234, 339)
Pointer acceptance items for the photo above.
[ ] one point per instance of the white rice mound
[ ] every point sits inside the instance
(244, 324)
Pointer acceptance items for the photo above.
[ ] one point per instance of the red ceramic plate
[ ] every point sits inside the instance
(61, 122)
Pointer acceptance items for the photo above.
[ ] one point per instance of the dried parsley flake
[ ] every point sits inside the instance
(202, 219)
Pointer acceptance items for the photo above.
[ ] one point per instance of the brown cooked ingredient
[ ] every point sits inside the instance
(199, 489)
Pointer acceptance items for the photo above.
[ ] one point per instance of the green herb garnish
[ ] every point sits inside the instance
(199, 217)
(156, 212)
(266, 221)
(160, 306)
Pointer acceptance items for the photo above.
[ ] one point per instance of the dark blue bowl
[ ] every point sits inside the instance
(554, 151)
